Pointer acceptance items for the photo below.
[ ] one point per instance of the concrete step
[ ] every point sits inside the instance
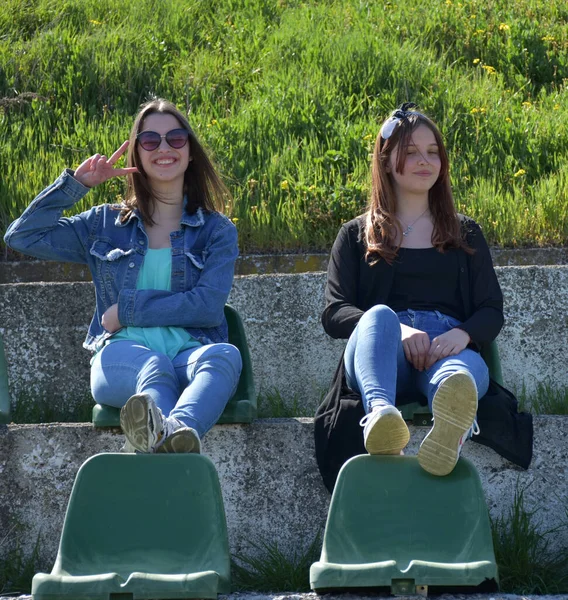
(313, 596)
(44, 325)
(271, 486)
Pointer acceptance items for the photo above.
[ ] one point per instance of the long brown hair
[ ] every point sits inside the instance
(382, 227)
(202, 184)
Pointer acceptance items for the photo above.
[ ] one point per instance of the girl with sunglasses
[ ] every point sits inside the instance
(162, 263)
(412, 288)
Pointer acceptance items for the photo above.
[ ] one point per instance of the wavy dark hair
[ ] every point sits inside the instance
(382, 227)
(202, 183)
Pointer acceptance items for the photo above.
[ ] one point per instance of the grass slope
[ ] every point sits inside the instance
(289, 96)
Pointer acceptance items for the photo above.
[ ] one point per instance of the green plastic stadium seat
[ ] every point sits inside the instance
(420, 415)
(241, 408)
(141, 527)
(391, 524)
(5, 416)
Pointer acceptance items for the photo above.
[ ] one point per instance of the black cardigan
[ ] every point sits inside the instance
(352, 288)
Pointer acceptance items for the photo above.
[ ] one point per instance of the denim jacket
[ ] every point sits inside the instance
(203, 257)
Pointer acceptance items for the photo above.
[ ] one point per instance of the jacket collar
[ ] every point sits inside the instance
(197, 219)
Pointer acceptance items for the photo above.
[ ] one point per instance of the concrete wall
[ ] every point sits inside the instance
(44, 324)
(271, 486)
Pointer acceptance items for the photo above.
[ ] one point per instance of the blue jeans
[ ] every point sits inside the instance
(194, 387)
(376, 367)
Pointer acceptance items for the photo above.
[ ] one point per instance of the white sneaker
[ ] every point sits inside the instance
(454, 408)
(385, 431)
(143, 423)
(128, 448)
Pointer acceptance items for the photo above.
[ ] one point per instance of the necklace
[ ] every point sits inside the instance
(410, 228)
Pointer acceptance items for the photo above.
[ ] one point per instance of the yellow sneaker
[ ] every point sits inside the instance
(454, 408)
(385, 431)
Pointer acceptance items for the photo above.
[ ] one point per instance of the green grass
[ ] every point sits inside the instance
(547, 399)
(274, 404)
(16, 570)
(30, 409)
(289, 95)
(527, 564)
(273, 571)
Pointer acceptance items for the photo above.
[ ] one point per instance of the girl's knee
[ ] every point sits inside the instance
(467, 361)
(222, 353)
(380, 314)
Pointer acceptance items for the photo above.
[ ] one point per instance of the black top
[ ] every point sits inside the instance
(426, 279)
(354, 286)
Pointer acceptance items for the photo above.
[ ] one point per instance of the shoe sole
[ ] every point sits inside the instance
(137, 418)
(454, 408)
(389, 435)
(182, 441)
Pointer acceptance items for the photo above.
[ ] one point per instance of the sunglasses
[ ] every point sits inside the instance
(150, 140)
(399, 115)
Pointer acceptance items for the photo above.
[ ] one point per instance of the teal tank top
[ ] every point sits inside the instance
(155, 274)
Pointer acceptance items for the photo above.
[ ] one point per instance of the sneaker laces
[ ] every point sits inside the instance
(374, 411)
(473, 430)
(169, 426)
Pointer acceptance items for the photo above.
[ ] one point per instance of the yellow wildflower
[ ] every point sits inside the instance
(481, 110)
(527, 104)
(519, 173)
(368, 137)
(490, 70)
(235, 220)
(476, 61)
(508, 119)
(95, 22)
(548, 38)
(284, 184)
(556, 107)
(504, 27)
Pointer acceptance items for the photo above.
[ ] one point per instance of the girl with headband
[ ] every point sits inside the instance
(412, 288)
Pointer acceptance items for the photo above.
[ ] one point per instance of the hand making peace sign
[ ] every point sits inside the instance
(97, 169)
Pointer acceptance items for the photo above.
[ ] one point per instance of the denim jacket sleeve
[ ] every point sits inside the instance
(42, 232)
(202, 305)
